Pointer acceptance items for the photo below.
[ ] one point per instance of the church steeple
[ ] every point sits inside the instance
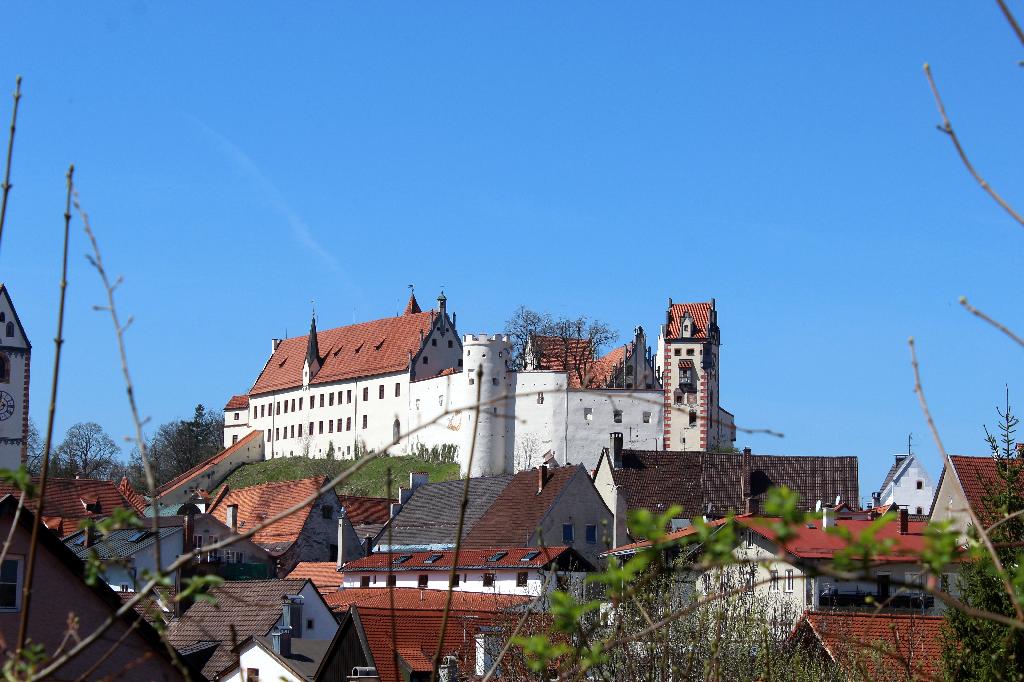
(313, 359)
(412, 307)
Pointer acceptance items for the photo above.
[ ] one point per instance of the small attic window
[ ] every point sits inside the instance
(358, 348)
(3, 317)
(283, 360)
(380, 343)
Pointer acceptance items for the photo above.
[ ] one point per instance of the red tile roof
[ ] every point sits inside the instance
(978, 477)
(205, 465)
(362, 511)
(878, 646)
(601, 370)
(413, 306)
(66, 500)
(238, 402)
(412, 599)
(815, 543)
(516, 513)
(258, 503)
(512, 557)
(414, 635)
(550, 352)
(357, 350)
(324, 574)
(701, 314)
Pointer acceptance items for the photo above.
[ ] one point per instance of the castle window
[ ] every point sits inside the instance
(433, 342)
(330, 399)
(440, 400)
(300, 431)
(494, 381)
(234, 439)
(293, 404)
(617, 416)
(293, 431)
(286, 407)
(689, 351)
(920, 485)
(10, 329)
(396, 431)
(348, 396)
(424, 359)
(398, 389)
(5, 368)
(417, 403)
(693, 417)
(262, 412)
(450, 344)
(320, 427)
(380, 392)
(321, 400)
(676, 352)
(366, 393)
(472, 381)
(3, 317)
(647, 417)
(253, 411)
(330, 426)
(540, 398)
(920, 511)
(268, 435)
(339, 424)
(348, 423)
(364, 421)
(310, 428)
(237, 415)
(588, 414)
(277, 434)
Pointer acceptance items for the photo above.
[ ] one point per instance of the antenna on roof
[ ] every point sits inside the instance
(910, 441)
(312, 302)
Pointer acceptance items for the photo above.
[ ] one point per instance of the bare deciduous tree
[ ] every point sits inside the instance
(86, 451)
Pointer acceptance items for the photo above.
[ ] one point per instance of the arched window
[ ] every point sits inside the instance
(5, 369)
(396, 430)
(10, 329)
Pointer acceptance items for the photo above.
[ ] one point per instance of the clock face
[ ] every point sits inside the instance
(6, 405)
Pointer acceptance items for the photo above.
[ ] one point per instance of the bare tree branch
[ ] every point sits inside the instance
(998, 325)
(10, 149)
(947, 128)
(1011, 20)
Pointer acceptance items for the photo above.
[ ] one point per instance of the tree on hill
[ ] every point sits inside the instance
(179, 445)
(86, 451)
(572, 344)
(976, 648)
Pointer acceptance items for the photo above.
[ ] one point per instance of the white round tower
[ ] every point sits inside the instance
(485, 381)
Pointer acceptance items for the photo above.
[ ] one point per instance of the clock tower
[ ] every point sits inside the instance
(15, 352)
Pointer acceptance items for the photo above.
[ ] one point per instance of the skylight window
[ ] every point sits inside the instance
(432, 559)
(530, 556)
(137, 535)
(497, 556)
(402, 558)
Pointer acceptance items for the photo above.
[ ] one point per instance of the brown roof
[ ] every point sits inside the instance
(250, 607)
(237, 402)
(362, 511)
(324, 574)
(701, 314)
(469, 558)
(979, 478)
(517, 512)
(206, 464)
(258, 503)
(357, 350)
(655, 480)
(550, 352)
(878, 646)
(66, 500)
(412, 307)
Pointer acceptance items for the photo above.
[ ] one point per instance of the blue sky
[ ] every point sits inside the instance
(239, 160)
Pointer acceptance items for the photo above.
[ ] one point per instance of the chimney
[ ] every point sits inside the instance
(90, 535)
(745, 479)
(616, 449)
(232, 517)
(751, 506)
(904, 522)
(404, 494)
(281, 641)
(396, 506)
(188, 527)
(341, 541)
(368, 544)
(274, 343)
(828, 517)
(542, 477)
(668, 312)
(291, 614)
(620, 531)
(418, 478)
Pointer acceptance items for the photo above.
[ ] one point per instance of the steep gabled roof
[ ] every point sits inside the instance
(241, 609)
(4, 291)
(514, 516)
(701, 314)
(362, 511)
(657, 479)
(258, 503)
(979, 478)
(205, 465)
(237, 402)
(430, 517)
(118, 544)
(67, 500)
(413, 306)
(877, 645)
(357, 350)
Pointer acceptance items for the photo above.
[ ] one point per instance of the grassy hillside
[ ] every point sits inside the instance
(371, 480)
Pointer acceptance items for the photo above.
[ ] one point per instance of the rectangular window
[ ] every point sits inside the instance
(286, 407)
(348, 396)
(320, 428)
(521, 578)
(398, 389)
(348, 423)
(277, 434)
(421, 582)
(689, 351)
(424, 359)
(450, 344)
(278, 407)
(647, 417)
(774, 583)
(330, 427)
(310, 428)
(488, 580)
(617, 416)
(588, 414)
(567, 533)
(261, 410)
(10, 577)
(293, 404)
(268, 435)
(364, 581)
(300, 403)
(455, 580)
(676, 352)
(327, 511)
(253, 411)
(252, 675)
(433, 342)
(380, 392)
(591, 534)
(330, 400)
(339, 424)
(234, 439)
(366, 393)
(364, 421)
(789, 580)
(300, 430)
(293, 431)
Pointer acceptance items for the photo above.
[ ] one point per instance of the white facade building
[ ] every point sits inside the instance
(907, 485)
(15, 357)
(410, 382)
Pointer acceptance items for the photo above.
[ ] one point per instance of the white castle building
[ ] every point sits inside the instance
(15, 357)
(411, 382)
